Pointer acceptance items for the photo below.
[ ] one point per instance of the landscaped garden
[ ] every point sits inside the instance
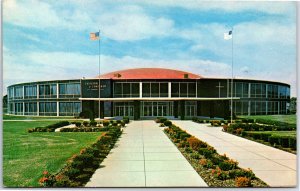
(31, 148)
(215, 169)
(278, 134)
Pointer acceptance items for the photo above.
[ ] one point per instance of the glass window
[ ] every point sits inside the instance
(191, 89)
(30, 108)
(47, 108)
(18, 108)
(245, 89)
(154, 89)
(174, 89)
(69, 108)
(47, 90)
(135, 89)
(126, 89)
(146, 89)
(163, 89)
(69, 90)
(30, 91)
(239, 89)
(18, 92)
(183, 90)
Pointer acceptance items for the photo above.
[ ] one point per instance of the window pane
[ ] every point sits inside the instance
(135, 89)
(126, 89)
(154, 89)
(146, 89)
(183, 89)
(192, 89)
(175, 89)
(163, 89)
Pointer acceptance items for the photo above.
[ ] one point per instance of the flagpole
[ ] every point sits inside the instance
(99, 76)
(231, 115)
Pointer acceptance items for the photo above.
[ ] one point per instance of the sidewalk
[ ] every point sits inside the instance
(145, 157)
(275, 167)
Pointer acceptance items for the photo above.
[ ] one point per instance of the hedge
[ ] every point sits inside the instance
(49, 128)
(80, 167)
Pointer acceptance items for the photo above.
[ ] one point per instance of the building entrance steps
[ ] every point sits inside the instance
(145, 157)
(275, 167)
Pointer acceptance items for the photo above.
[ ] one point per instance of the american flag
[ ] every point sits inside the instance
(94, 36)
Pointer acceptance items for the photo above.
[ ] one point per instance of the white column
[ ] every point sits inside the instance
(249, 107)
(37, 108)
(169, 89)
(141, 89)
(37, 91)
(57, 108)
(266, 107)
(23, 92)
(249, 90)
(23, 107)
(57, 94)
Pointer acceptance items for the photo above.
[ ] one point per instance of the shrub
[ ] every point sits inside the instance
(206, 163)
(167, 123)
(188, 150)
(239, 131)
(195, 143)
(93, 123)
(242, 182)
(162, 125)
(228, 165)
(77, 124)
(85, 123)
(126, 119)
(195, 156)
(265, 136)
(105, 123)
(274, 140)
(225, 127)
(220, 174)
(207, 152)
(292, 143)
(284, 141)
(184, 135)
(30, 130)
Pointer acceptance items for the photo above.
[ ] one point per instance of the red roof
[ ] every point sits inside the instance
(149, 73)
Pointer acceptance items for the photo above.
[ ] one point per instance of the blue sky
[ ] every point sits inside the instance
(48, 40)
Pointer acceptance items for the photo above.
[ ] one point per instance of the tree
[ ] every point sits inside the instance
(4, 101)
(293, 105)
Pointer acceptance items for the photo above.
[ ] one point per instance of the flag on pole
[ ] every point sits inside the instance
(228, 35)
(94, 36)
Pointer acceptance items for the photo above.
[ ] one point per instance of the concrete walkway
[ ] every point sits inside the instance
(145, 157)
(275, 167)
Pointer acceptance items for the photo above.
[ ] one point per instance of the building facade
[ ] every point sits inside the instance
(149, 92)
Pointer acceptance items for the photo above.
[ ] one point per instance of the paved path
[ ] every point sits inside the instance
(276, 167)
(145, 157)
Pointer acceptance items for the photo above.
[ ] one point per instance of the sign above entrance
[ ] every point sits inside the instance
(90, 88)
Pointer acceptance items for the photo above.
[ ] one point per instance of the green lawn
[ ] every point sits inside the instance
(13, 117)
(27, 155)
(284, 118)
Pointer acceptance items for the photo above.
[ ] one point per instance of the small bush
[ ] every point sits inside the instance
(274, 140)
(207, 152)
(284, 141)
(293, 143)
(239, 131)
(228, 165)
(206, 163)
(93, 123)
(77, 124)
(168, 123)
(242, 182)
(220, 174)
(225, 128)
(162, 125)
(126, 120)
(195, 156)
(195, 143)
(105, 123)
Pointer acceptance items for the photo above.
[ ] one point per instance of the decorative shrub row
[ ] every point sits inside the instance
(212, 122)
(49, 128)
(81, 167)
(251, 130)
(85, 129)
(275, 140)
(279, 124)
(220, 166)
(255, 127)
(105, 123)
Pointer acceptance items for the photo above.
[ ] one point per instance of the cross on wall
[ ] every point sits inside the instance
(219, 86)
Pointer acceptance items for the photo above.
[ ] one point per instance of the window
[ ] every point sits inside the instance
(69, 90)
(155, 89)
(272, 107)
(30, 91)
(47, 108)
(47, 91)
(258, 90)
(183, 89)
(30, 108)
(18, 93)
(272, 91)
(69, 108)
(10, 93)
(126, 89)
(18, 108)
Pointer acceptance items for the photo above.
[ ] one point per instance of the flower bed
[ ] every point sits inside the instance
(216, 170)
(80, 167)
